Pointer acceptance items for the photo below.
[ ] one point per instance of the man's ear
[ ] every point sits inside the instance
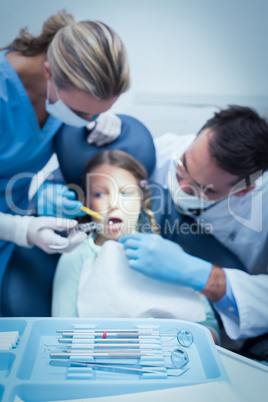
(47, 70)
(246, 190)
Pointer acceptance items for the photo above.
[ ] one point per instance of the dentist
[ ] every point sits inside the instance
(217, 179)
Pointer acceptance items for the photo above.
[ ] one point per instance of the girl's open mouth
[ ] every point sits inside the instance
(116, 225)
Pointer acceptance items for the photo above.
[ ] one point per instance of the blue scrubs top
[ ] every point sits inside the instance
(24, 147)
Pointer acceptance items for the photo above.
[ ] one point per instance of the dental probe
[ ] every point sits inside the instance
(96, 215)
(122, 355)
(93, 331)
(112, 345)
(126, 341)
(107, 330)
(106, 334)
(79, 351)
(121, 369)
(136, 365)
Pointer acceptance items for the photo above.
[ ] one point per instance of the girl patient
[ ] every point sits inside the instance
(94, 280)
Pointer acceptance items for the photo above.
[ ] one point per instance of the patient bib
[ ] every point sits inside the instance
(109, 288)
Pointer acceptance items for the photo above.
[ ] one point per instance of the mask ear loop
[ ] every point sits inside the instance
(57, 92)
(48, 91)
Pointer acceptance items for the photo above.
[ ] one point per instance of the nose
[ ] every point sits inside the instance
(113, 203)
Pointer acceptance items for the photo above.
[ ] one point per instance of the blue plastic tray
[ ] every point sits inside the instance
(25, 370)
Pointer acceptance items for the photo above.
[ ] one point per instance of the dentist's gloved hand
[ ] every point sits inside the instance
(164, 260)
(57, 200)
(107, 129)
(41, 234)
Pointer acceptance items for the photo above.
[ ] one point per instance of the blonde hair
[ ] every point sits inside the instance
(148, 210)
(87, 55)
(124, 161)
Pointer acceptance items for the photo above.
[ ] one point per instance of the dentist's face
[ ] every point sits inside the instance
(114, 193)
(197, 173)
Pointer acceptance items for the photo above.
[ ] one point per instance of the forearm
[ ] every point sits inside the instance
(216, 284)
(14, 228)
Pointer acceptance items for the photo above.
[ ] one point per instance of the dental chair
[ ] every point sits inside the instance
(27, 283)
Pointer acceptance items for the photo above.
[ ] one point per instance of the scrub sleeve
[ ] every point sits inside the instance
(24, 148)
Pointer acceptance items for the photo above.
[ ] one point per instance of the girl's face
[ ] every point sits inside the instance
(115, 194)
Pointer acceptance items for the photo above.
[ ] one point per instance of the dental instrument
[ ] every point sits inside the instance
(179, 358)
(128, 369)
(95, 214)
(106, 334)
(184, 337)
(147, 330)
(88, 227)
(134, 365)
(114, 355)
(103, 349)
(89, 341)
(111, 348)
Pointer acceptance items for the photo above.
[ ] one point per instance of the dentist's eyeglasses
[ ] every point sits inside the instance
(199, 190)
(183, 174)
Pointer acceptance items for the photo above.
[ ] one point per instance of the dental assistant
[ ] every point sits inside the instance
(71, 73)
(217, 178)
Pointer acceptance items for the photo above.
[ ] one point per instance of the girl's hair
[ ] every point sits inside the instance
(124, 161)
(87, 55)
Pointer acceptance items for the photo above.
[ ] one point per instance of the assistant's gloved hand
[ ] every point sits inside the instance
(107, 129)
(41, 234)
(164, 260)
(57, 200)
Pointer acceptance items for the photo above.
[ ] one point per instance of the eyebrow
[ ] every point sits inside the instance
(201, 186)
(131, 185)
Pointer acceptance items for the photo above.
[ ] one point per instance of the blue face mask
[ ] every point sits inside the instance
(64, 113)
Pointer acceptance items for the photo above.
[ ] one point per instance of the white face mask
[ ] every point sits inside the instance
(182, 200)
(64, 113)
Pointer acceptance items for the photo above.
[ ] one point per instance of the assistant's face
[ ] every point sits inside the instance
(81, 103)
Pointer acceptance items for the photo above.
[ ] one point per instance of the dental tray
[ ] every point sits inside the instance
(26, 373)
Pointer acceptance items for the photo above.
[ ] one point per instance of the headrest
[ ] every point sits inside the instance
(74, 152)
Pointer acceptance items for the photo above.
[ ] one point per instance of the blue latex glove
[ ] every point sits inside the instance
(57, 200)
(164, 260)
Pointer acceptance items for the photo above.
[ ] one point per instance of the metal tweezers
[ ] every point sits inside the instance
(89, 228)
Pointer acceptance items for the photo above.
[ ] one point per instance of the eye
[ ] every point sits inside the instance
(209, 191)
(98, 194)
